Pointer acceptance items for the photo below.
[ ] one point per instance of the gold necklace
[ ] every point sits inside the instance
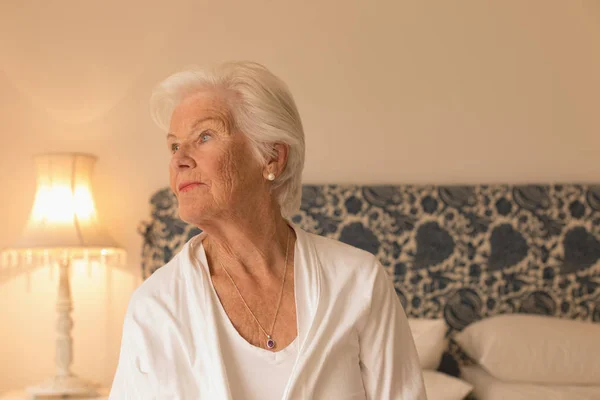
(270, 341)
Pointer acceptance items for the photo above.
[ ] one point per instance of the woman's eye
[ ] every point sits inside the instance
(174, 147)
(205, 137)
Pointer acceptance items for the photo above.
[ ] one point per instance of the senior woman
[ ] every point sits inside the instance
(254, 307)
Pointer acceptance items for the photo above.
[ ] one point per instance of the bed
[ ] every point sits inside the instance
(461, 254)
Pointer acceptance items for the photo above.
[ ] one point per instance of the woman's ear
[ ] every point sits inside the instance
(276, 164)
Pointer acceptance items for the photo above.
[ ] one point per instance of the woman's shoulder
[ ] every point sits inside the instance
(339, 249)
(160, 286)
(337, 256)
(345, 268)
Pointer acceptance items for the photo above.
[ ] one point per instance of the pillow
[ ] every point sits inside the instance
(429, 336)
(439, 386)
(486, 387)
(535, 349)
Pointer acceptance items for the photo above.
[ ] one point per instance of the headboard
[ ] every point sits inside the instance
(458, 252)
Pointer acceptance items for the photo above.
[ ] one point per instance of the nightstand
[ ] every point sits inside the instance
(23, 395)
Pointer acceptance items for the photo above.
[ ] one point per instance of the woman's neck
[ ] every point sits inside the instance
(254, 243)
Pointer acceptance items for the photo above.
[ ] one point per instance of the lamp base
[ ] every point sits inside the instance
(63, 386)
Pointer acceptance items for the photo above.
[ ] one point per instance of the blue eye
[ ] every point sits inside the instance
(174, 147)
(205, 137)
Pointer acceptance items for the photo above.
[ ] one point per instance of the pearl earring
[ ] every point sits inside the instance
(271, 176)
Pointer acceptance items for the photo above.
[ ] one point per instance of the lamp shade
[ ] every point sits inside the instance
(64, 212)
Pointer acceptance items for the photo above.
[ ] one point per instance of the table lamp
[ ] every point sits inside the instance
(63, 226)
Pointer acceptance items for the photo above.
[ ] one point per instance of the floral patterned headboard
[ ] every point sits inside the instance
(458, 252)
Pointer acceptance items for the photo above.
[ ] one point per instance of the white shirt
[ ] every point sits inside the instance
(354, 342)
(253, 373)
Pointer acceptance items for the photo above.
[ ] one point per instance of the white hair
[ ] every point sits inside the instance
(261, 107)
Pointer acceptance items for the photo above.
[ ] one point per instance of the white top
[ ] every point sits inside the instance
(354, 342)
(253, 373)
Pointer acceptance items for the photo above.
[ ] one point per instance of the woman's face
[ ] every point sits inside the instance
(213, 171)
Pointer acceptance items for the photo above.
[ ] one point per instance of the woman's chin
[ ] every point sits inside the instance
(192, 215)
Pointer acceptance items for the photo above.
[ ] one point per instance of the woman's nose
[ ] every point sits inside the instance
(182, 159)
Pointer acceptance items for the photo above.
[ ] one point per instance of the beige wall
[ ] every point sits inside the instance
(390, 91)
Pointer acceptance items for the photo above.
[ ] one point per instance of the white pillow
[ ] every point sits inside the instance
(535, 349)
(429, 336)
(486, 387)
(440, 386)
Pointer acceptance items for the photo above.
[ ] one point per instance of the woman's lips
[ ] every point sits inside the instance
(186, 186)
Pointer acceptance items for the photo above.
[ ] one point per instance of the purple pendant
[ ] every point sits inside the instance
(270, 343)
